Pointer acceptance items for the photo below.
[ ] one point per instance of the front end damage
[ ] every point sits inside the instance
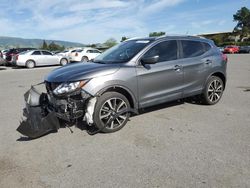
(43, 110)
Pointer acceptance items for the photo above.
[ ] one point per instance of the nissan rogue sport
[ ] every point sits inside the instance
(135, 74)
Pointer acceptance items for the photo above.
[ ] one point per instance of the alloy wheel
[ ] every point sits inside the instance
(113, 113)
(215, 90)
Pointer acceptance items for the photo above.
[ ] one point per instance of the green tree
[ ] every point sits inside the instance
(242, 17)
(110, 42)
(55, 47)
(156, 34)
(124, 38)
(44, 46)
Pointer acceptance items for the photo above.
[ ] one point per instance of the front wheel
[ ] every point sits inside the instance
(111, 112)
(213, 90)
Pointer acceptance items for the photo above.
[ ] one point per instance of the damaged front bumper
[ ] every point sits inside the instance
(43, 110)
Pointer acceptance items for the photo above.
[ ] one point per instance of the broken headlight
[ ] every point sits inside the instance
(69, 87)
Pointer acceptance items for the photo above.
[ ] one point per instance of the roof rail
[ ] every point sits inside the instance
(133, 38)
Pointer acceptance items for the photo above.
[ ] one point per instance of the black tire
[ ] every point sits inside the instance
(213, 91)
(64, 61)
(30, 64)
(85, 59)
(107, 119)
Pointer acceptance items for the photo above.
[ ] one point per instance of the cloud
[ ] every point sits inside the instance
(158, 5)
(90, 21)
(98, 4)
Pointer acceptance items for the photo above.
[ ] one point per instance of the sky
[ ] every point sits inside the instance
(95, 21)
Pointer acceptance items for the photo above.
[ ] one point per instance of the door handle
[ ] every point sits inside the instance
(177, 68)
(208, 61)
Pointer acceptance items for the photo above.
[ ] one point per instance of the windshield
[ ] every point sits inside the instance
(122, 52)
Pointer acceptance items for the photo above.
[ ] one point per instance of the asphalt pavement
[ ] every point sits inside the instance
(178, 144)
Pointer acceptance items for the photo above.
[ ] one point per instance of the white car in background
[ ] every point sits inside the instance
(33, 58)
(85, 54)
(4, 52)
(67, 52)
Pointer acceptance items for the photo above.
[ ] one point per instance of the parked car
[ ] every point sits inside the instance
(14, 51)
(67, 52)
(231, 49)
(4, 53)
(244, 49)
(84, 54)
(33, 58)
(134, 74)
(2, 61)
(221, 49)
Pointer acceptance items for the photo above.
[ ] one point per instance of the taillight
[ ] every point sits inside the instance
(76, 54)
(224, 57)
(17, 57)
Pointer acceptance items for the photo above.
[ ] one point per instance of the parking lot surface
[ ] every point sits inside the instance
(178, 144)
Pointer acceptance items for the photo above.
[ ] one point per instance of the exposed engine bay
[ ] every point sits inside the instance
(43, 110)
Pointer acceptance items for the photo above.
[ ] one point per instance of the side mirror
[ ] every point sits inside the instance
(150, 60)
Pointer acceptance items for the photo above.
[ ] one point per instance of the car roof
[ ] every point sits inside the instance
(185, 37)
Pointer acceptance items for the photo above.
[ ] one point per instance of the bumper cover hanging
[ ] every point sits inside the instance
(39, 120)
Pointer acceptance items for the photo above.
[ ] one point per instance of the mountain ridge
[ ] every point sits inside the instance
(12, 42)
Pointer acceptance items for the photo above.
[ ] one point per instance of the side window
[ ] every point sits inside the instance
(96, 51)
(166, 51)
(36, 53)
(46, 53)
(206, 46)
(90, 51)
(192, 48)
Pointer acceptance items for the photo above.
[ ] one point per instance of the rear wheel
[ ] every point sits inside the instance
(213, 90)
(63, 61)
(85, 59)
(30, 64)
(111, 112)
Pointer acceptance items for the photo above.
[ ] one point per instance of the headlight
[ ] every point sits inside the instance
(69, 87)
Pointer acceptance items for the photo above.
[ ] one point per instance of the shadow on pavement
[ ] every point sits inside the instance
(92, 130)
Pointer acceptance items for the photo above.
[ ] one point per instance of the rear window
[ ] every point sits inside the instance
(46, 53)
(194, 48)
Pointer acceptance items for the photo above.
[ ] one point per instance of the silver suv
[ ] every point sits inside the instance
(135, 74)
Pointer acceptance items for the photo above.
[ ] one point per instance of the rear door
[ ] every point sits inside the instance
(160, 82)
(196, 59)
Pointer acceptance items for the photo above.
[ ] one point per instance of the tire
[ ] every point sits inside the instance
(30, 64)
(85, 59)
(106, 108)
(213, 91)
(63, 61)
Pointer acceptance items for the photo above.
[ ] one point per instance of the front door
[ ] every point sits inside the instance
(163, 81)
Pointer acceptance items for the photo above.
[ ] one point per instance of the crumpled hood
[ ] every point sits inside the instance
(81, 71)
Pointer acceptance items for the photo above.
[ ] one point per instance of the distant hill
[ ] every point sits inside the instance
(11, 42)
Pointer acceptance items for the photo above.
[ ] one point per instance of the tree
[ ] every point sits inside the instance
(242, 17)
(156, 34)
(110, 42)
(124, 38)
(55, 47)
(44, 46)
